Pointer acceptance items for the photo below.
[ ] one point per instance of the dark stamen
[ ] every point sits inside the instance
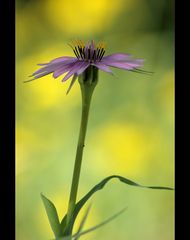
(97, 57)
(94, 55)
(75, 53)
(80, 51)
(78, 56)
(83, 52)
(102, 54)
(89, 53)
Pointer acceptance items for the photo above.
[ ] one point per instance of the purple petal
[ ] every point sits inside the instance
(83, 68)
(103, 67)
(92, 46)
(117, 57)
(62, 59)
(43, 74)
(54, 66)
(74, 69)
(63, 69)
(39, 76)
(129, 65)
(86, 49)
(72, 82)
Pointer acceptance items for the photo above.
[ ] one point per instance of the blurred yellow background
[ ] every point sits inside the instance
(131, 124)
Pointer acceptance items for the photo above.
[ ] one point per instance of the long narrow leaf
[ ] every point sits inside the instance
(79, 234)
(82, 223)
(98, 187)
(100, 224)
(52, 216)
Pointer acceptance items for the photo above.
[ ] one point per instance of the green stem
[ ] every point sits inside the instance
(87, 82)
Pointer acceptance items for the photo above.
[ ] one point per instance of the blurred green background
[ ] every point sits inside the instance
(131, 124)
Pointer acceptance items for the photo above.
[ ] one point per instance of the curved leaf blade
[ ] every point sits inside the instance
(52, 216)
(100, 186)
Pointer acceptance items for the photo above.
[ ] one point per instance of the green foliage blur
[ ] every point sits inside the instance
(131, 124)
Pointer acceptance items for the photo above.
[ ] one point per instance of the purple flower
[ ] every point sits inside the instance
(86, 55)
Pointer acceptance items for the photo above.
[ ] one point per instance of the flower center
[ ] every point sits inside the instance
(89, 51)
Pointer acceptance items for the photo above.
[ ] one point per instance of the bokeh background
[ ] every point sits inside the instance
(131, 125)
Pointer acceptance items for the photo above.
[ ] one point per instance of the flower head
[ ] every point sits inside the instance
(87, 54)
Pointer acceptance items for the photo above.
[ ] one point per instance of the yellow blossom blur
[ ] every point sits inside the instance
(83, 16)
(130, 147)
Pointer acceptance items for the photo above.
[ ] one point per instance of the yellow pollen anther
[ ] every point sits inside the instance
(73, 43)
(98, 45)
(76, 43)
(101, 45)
(81, 43)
